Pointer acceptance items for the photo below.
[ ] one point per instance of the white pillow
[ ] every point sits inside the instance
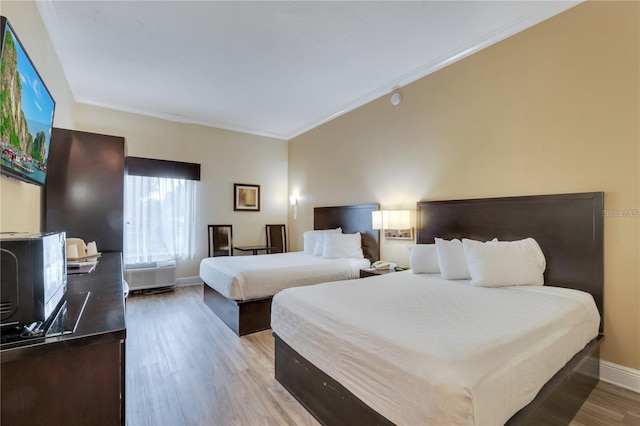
(342, 245)
(505, 263)
(309, 238)
(451, 259)
(423, 259)
(319, 239)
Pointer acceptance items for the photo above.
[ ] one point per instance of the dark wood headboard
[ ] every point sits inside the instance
(352, 219)
(568, 228)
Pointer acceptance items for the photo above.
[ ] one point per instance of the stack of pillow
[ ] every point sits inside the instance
(487, 264)
(333, 244)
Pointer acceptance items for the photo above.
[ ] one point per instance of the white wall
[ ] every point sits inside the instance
(226, 158)
(21, 203)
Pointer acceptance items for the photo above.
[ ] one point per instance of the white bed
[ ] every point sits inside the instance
(419, 349)
(238, 289)
(251, 277)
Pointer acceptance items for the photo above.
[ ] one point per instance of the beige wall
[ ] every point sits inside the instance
(25, 20)
(554, 109)
(226, 158)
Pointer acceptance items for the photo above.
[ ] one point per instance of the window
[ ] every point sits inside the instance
(159, 219)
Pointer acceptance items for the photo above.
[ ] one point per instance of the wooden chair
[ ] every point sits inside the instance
(277, 238)
(220, 240)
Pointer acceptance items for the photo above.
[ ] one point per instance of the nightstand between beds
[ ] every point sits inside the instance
(371, 272)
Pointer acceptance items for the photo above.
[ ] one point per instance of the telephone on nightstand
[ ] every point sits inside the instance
(380, 264)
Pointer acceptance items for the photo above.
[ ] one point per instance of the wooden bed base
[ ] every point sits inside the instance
(568, 228)
(332, 404)
(243, 317)
(326, 399)
(562, 396)
(250, 316)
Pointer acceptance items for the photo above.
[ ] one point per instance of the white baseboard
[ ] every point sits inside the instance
(619, 375)
(186, 281)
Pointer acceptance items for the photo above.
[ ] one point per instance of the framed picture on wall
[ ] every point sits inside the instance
(246, 197)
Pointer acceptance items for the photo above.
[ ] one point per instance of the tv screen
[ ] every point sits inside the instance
(26, 112)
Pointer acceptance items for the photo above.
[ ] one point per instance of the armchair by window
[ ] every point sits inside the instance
(277, 238)
(220, 240)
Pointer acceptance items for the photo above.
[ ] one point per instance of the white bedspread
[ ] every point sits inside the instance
(250, 277)
(419, 349)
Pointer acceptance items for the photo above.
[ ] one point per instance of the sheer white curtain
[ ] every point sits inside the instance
(159, 219)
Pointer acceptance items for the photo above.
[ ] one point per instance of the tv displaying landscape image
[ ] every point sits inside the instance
(26, 112)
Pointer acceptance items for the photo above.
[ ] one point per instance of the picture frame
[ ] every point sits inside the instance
(246, 197)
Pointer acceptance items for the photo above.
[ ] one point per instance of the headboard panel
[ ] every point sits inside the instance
(568, 228)
(352, 219)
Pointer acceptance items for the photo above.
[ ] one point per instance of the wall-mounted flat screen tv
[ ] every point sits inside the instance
(26, 112)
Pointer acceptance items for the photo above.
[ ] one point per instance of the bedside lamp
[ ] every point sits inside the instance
(395, 223)
(376, 219)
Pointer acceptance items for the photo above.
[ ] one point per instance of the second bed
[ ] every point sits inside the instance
(239, 289)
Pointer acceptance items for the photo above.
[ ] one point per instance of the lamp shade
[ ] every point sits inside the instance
(398, 219)
(376, 219)
(391, 219)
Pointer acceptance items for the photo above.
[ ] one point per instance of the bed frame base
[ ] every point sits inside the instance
(561, 397)
(243, 317)
(327, 400)
(332, 404)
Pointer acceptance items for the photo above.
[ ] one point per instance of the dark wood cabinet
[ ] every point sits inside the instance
(84, 190)
(76, 378)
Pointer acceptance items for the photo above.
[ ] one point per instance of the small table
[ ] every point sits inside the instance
(254, 249)
(372, 272)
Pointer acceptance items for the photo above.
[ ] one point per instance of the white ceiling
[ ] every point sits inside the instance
(265, 67)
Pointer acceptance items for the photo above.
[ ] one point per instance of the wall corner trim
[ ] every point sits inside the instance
(619, 375)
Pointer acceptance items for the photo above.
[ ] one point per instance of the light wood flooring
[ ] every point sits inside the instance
(186, 367)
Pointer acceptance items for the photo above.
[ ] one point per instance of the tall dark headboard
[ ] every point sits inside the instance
(568, 228)
(352, 219)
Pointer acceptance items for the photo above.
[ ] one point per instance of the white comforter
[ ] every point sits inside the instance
(419, 349)
(250, 277)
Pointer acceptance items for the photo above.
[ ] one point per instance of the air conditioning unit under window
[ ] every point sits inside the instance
(150, 275)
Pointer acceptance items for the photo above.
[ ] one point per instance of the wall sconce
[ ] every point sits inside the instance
(293, 200)
(396, 224)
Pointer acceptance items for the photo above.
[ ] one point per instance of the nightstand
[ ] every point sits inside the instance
(371, 272)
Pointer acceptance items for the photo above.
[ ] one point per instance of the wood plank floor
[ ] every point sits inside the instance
(186, 367)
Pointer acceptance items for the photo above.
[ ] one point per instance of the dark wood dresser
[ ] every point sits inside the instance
(76, 378)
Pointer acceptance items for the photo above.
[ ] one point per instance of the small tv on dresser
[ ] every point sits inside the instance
(26, 112)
